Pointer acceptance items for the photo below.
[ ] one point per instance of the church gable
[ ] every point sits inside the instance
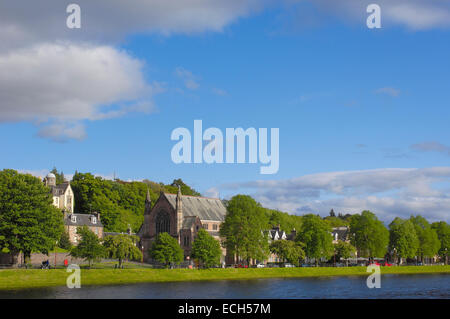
(161, 218)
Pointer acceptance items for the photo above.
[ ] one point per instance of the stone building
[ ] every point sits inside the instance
(340, 233)
(182, 217)
(73, 221)
(62, 193)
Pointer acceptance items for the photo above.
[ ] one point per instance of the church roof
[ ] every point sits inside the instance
(203, 207)
(82, 220)
(189, 221)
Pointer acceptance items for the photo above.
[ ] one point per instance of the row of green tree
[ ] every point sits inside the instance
(91, 248)
(246, 222)
(30, 223)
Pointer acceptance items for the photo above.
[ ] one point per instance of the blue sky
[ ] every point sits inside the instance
(345, 98)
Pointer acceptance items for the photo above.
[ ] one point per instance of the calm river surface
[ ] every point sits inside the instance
(392, 286)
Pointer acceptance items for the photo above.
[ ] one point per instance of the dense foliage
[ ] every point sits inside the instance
(206, 249)
(28, 220)
(316, 235)
(443, 231)
(288, 251)
(89, 247)
(243, 229)
(119, 203)
(369, 235)
(166, 250)
(404, 242)
(122, 247)
(428, 239)
(343, 250)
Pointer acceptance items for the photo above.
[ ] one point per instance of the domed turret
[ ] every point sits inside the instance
(50, 179)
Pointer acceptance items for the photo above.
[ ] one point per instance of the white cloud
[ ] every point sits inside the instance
(431, 147)
(56, 86)
(387, 192)
(388, 91)
(219, 92)
(413, 14)
(190, 81)
(111, 20)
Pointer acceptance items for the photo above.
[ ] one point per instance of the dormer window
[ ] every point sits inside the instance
(94, 220)
(73, 219)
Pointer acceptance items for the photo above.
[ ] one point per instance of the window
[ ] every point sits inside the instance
(94, 220)
(214, 226)
(73, 218)
(206, 226)
(186, 241)
(162, 222)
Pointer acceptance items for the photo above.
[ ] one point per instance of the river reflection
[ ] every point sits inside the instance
(392, 286)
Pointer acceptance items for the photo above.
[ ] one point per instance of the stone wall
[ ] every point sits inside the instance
(37, 259)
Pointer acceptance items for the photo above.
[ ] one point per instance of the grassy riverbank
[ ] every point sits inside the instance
(34, 278)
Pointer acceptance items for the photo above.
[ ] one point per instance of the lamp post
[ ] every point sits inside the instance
(56, 245)
(446, 256)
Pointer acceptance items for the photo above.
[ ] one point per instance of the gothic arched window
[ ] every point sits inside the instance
(162, 222)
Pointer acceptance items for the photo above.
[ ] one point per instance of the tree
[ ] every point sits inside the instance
(288, 250)
(428, 239)
(443, 231)
(332, 213)
(343, 250)
(185, 189)
(243, 229)
(122, 247)
(166, 250)
(64, 241)
(28, 220)
(369, 235)
(206, 249)
(316, 235)
(59, 176)
(89, 248)
(403, 238)
(286, 221)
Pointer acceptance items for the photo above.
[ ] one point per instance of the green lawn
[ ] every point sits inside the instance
(23, 278)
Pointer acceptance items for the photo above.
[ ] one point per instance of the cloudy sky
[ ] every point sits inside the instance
(363, 114)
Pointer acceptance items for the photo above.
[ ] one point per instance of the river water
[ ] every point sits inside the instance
(392, 286)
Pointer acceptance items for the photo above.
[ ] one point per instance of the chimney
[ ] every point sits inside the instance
(293, 233)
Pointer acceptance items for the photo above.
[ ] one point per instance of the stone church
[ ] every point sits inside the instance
(182, 217)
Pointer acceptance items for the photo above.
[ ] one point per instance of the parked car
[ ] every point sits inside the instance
(260, 266)
(288, 265)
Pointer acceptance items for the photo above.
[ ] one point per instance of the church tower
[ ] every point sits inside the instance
(148, 202)
(179, 208)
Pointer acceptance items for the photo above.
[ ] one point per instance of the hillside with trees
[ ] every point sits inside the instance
(119, 203)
